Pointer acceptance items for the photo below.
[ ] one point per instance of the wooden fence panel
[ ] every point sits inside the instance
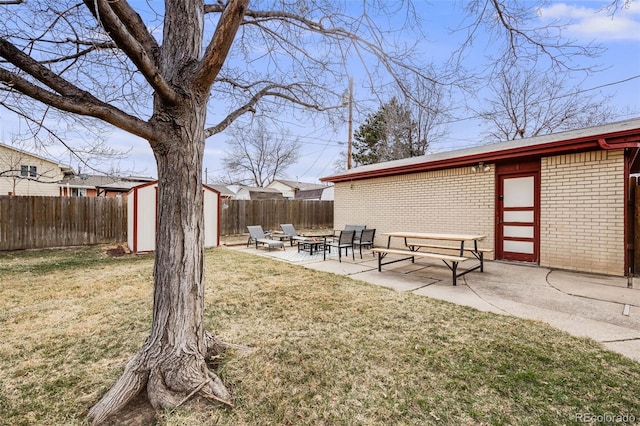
(39, 222)
(236, 215)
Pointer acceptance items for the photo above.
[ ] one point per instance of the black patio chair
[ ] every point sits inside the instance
(357, 228)
(345, 241)
(365, 240)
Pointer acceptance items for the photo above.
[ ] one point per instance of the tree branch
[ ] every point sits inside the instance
(68, 97)
(270, 89)
(218, 48)
(336, 33)
(126, 28)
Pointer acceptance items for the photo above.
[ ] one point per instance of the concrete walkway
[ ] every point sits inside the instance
(602, 308)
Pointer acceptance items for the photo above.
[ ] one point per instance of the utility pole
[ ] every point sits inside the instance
(350, 123)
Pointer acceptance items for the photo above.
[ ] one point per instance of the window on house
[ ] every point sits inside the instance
(28, 171)
(78, 192)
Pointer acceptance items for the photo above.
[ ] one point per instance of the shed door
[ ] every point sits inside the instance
(517, 228)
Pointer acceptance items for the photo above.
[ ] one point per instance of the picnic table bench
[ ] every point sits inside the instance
(412, 250)
(477, 252)
(449, 260)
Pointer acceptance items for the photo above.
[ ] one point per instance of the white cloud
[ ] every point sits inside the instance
(595, 23)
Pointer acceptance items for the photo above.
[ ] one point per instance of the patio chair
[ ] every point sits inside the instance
(256, 234)
(345, 240)
(365, 240)
(291, 233)
(357, 228)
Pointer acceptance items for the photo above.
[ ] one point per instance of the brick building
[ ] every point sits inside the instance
(557, 200)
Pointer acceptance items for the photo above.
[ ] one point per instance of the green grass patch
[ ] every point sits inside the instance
(327, 349)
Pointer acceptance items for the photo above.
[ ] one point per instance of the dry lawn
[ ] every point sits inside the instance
(328, 350)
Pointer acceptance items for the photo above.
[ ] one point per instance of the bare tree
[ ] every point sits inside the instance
(101, 59)
(173, 74)
(516, 37)
(429, 108)
(258, 156)
(528, 103)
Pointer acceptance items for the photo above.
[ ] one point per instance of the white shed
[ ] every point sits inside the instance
(142, 202)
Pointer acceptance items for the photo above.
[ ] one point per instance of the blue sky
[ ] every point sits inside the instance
(621, 61)
(321, 147)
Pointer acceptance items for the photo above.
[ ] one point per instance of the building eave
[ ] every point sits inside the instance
(628, 138)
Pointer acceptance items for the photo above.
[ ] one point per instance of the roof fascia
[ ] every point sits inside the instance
(616, 140)
(63, 167)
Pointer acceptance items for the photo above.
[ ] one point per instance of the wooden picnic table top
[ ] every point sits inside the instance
(435, 236)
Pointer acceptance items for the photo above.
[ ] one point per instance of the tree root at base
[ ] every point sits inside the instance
(170, 382)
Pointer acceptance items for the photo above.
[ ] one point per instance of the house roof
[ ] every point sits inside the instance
(622, 134)
(223, 190)
(310, 194)
(259, 193)
(63, 167)
(258, 189)
(300, 185)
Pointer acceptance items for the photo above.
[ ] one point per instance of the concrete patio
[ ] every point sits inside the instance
(602, 308)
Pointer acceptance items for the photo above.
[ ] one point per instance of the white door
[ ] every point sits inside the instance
(518, 218)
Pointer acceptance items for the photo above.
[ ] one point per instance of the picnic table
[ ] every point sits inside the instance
(429, 245)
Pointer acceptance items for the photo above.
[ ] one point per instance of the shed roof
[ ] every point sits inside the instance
(118, 185)
(153, 183)
(103, 181)
(622, 134)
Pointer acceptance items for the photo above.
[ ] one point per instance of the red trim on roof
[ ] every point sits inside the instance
(615, 140)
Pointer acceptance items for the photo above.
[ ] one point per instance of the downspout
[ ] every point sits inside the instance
(135, 220)
(628, 163)
(629, 249)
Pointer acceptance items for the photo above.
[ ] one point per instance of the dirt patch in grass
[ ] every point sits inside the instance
(327, 349)
(117, 251)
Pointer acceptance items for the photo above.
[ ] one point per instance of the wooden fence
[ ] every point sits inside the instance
(303, 214)
(38, 222)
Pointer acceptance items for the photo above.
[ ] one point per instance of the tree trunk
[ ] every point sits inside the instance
(172, 363)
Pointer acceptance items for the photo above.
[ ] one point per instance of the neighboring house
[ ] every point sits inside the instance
(559, 200)
(289, 189)
(255, 193)
(323, 194)
(23, 173)
(99, 186)
(224, 191)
